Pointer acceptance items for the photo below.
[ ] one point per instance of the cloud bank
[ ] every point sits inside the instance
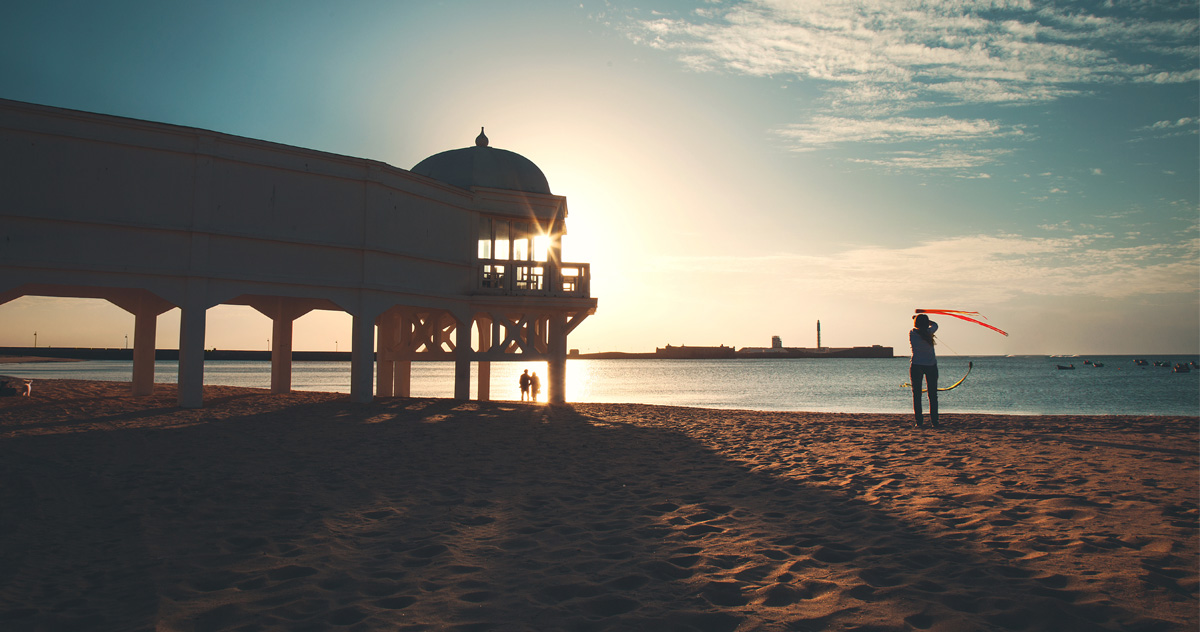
(971, 269)
(886, 66)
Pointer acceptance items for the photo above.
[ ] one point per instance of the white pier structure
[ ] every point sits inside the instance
(458, 259)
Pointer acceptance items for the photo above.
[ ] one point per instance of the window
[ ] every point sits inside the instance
(501, 239)
(485, 238)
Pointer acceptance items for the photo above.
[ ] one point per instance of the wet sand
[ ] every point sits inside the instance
(27, 359)
(307, 512)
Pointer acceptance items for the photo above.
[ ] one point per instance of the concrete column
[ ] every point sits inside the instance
(484, 381)
(145, 334)
(462, 362)
(281, 352)
(191, 354)
(362, 359)
(385, 365)
(145, 308)
(402, 377)
(283, 312)
(557, 360)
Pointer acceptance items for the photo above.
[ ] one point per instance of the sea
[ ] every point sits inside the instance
(1098, 385)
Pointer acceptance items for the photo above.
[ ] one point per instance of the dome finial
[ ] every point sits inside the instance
(481, 140)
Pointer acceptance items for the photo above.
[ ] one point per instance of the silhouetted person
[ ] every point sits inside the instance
(524, 382)
(535, 385)
(923, 365)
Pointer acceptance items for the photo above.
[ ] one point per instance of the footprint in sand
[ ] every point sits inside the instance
(565, 592)
(609, 606)
(395, 603)
(629, 582)
(301, 609)
(346, 616)
(831, 555)
(721, 593)
(666, 571)
(214, 581)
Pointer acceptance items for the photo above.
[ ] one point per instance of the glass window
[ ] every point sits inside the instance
(521, 249)
(501, 239)
(485, 238)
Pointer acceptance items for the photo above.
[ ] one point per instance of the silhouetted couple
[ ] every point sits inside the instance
(530, 385)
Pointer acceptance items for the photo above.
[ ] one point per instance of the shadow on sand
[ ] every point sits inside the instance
(433, 514)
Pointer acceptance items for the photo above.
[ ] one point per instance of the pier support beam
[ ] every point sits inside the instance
(145, 335)
(145, 308)
(362, 359)
(462, 361)
(557, 359)
(483, 390)
(283, 312)
(402, 367)
(191, 353)
(393, 353)
(386, 337)
(403, 378)
(281, 354)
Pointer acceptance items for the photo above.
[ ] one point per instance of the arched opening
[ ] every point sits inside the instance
(82, 322)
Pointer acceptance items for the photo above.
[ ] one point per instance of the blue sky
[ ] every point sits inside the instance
(734, 170)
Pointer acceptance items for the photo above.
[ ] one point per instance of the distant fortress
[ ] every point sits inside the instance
(776, 350)
(684, 352)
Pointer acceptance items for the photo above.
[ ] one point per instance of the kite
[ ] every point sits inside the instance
(964, 315)
(948, 388)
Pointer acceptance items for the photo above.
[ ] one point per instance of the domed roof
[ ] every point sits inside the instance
(483, 166)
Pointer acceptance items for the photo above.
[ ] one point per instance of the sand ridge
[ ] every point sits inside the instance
(305, 511)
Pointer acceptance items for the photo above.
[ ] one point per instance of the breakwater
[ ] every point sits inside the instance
(85, 353)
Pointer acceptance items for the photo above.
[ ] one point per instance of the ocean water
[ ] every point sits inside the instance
(1010, 385)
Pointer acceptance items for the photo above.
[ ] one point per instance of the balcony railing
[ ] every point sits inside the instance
(533, 278)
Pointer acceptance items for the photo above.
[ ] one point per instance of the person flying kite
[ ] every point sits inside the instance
(923, 365)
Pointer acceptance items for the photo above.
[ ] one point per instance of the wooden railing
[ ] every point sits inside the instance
(533, 278)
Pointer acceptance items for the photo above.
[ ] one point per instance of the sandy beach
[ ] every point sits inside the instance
(307, 512)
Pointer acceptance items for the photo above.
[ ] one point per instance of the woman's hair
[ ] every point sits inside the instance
(921, 323)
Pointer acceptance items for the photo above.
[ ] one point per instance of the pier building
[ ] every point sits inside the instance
(458, 259)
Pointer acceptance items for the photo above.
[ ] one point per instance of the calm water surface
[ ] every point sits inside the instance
(1015, 385)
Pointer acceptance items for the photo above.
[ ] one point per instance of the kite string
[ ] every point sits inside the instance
(943, 343)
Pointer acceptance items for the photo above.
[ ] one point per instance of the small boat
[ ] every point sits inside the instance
(1087, 361)
(1161, 363)
(1069, 367)
(1182, 368)
(1097, 364)
(1140, 362)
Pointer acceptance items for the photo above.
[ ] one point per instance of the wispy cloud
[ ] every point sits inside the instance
(973, 268)
(938, 158)
(823, 131)
(989, 45)
(1187, 126)
(884, 64)
(1186, 122)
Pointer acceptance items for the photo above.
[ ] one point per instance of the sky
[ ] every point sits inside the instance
(733, 170)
